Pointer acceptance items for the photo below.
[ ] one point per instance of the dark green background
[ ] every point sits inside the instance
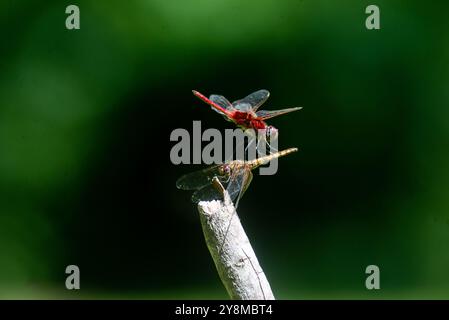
(85, 120)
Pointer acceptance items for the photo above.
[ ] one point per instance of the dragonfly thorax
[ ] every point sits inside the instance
(248, 120)
(227, 168)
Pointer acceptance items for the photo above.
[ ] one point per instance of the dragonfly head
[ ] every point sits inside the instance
(272, 133)
(225, 170)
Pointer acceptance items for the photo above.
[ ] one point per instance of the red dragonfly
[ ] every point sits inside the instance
(244, 112)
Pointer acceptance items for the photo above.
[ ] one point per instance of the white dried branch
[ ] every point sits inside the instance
(236, 262)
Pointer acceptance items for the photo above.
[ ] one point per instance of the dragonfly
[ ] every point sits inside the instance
(244, 112)
(235, 174)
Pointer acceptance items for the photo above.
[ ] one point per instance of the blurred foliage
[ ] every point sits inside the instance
(85, 118)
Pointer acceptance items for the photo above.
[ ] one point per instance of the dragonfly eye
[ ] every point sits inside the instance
(225, 170)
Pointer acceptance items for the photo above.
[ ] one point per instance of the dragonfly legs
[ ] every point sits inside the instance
(218, 186)
(258, 145)
(262, 151)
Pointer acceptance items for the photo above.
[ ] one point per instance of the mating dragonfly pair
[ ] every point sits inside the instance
(236, 174)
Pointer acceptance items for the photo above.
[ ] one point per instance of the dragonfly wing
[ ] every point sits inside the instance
(221, 101)
(252, 101)
(243, 106)
(221, 107)
(207, 193)
(198, 179)
(238, 183)
(265, 114)
(247, 183)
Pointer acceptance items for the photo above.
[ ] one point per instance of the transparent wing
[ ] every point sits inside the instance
(221, 107)
(199, 179)
(252, 101)
(207, 193)
(222, 102)
(243, 107)
(238, 183)
(264, 114)
(246, 184)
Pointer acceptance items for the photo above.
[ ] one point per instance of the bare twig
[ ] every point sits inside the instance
(236, 262)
